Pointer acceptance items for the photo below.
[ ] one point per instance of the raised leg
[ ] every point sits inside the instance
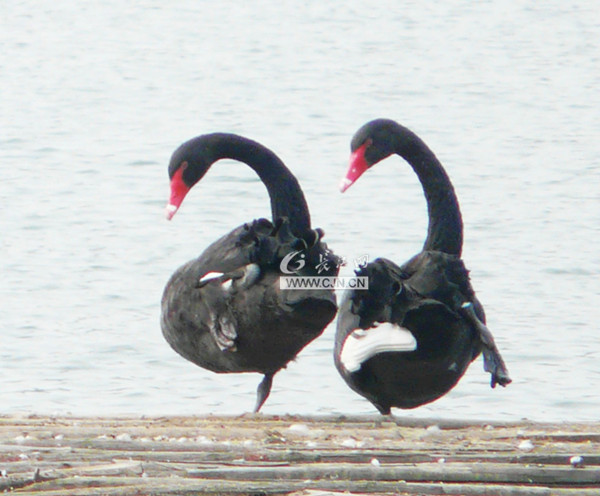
(492, 360)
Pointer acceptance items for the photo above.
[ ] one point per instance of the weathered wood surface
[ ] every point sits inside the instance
(311, 456)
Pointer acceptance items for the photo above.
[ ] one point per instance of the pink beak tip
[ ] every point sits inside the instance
(345, 184)
(170, 211)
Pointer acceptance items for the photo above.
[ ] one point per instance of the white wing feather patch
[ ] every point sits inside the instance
(360, 345)
(210, 275)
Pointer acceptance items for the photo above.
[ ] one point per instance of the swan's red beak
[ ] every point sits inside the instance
(178, 191)
(358, 165)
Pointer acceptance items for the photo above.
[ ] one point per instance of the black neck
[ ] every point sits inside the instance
(287, 199)
(445, 230)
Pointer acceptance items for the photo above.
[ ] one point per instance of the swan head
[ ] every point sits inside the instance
(179, 189)
(373, 142)
(188, 165)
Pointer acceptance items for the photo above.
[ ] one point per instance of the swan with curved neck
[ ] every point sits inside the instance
(378, 140)
(226, 311)
(411, 336)
(192, 160)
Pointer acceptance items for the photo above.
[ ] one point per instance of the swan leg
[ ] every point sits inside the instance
(492, 360)
(263, 390)
(385, 410)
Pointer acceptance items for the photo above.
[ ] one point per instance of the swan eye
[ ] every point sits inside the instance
(184, 165)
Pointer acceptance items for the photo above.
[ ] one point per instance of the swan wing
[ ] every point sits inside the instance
(360, 345)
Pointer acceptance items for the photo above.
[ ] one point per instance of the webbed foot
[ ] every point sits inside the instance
(492, 360)
(494, 364)
(222, 329)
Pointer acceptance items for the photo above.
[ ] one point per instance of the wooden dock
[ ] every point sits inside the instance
(311, 456)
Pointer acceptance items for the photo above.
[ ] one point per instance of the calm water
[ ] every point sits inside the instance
(95, 98)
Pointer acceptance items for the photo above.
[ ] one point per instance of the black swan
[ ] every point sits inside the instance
(409, 338)
(226, 310)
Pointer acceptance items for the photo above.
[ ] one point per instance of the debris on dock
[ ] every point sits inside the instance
(310, 456)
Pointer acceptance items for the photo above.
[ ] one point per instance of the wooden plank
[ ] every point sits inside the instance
(455, 472)
(252, 454)
(171, 486)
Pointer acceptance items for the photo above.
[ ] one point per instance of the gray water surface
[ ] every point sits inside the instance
(95, 96)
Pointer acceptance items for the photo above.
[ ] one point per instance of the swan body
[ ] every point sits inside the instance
(225, 310)
(428, 298)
